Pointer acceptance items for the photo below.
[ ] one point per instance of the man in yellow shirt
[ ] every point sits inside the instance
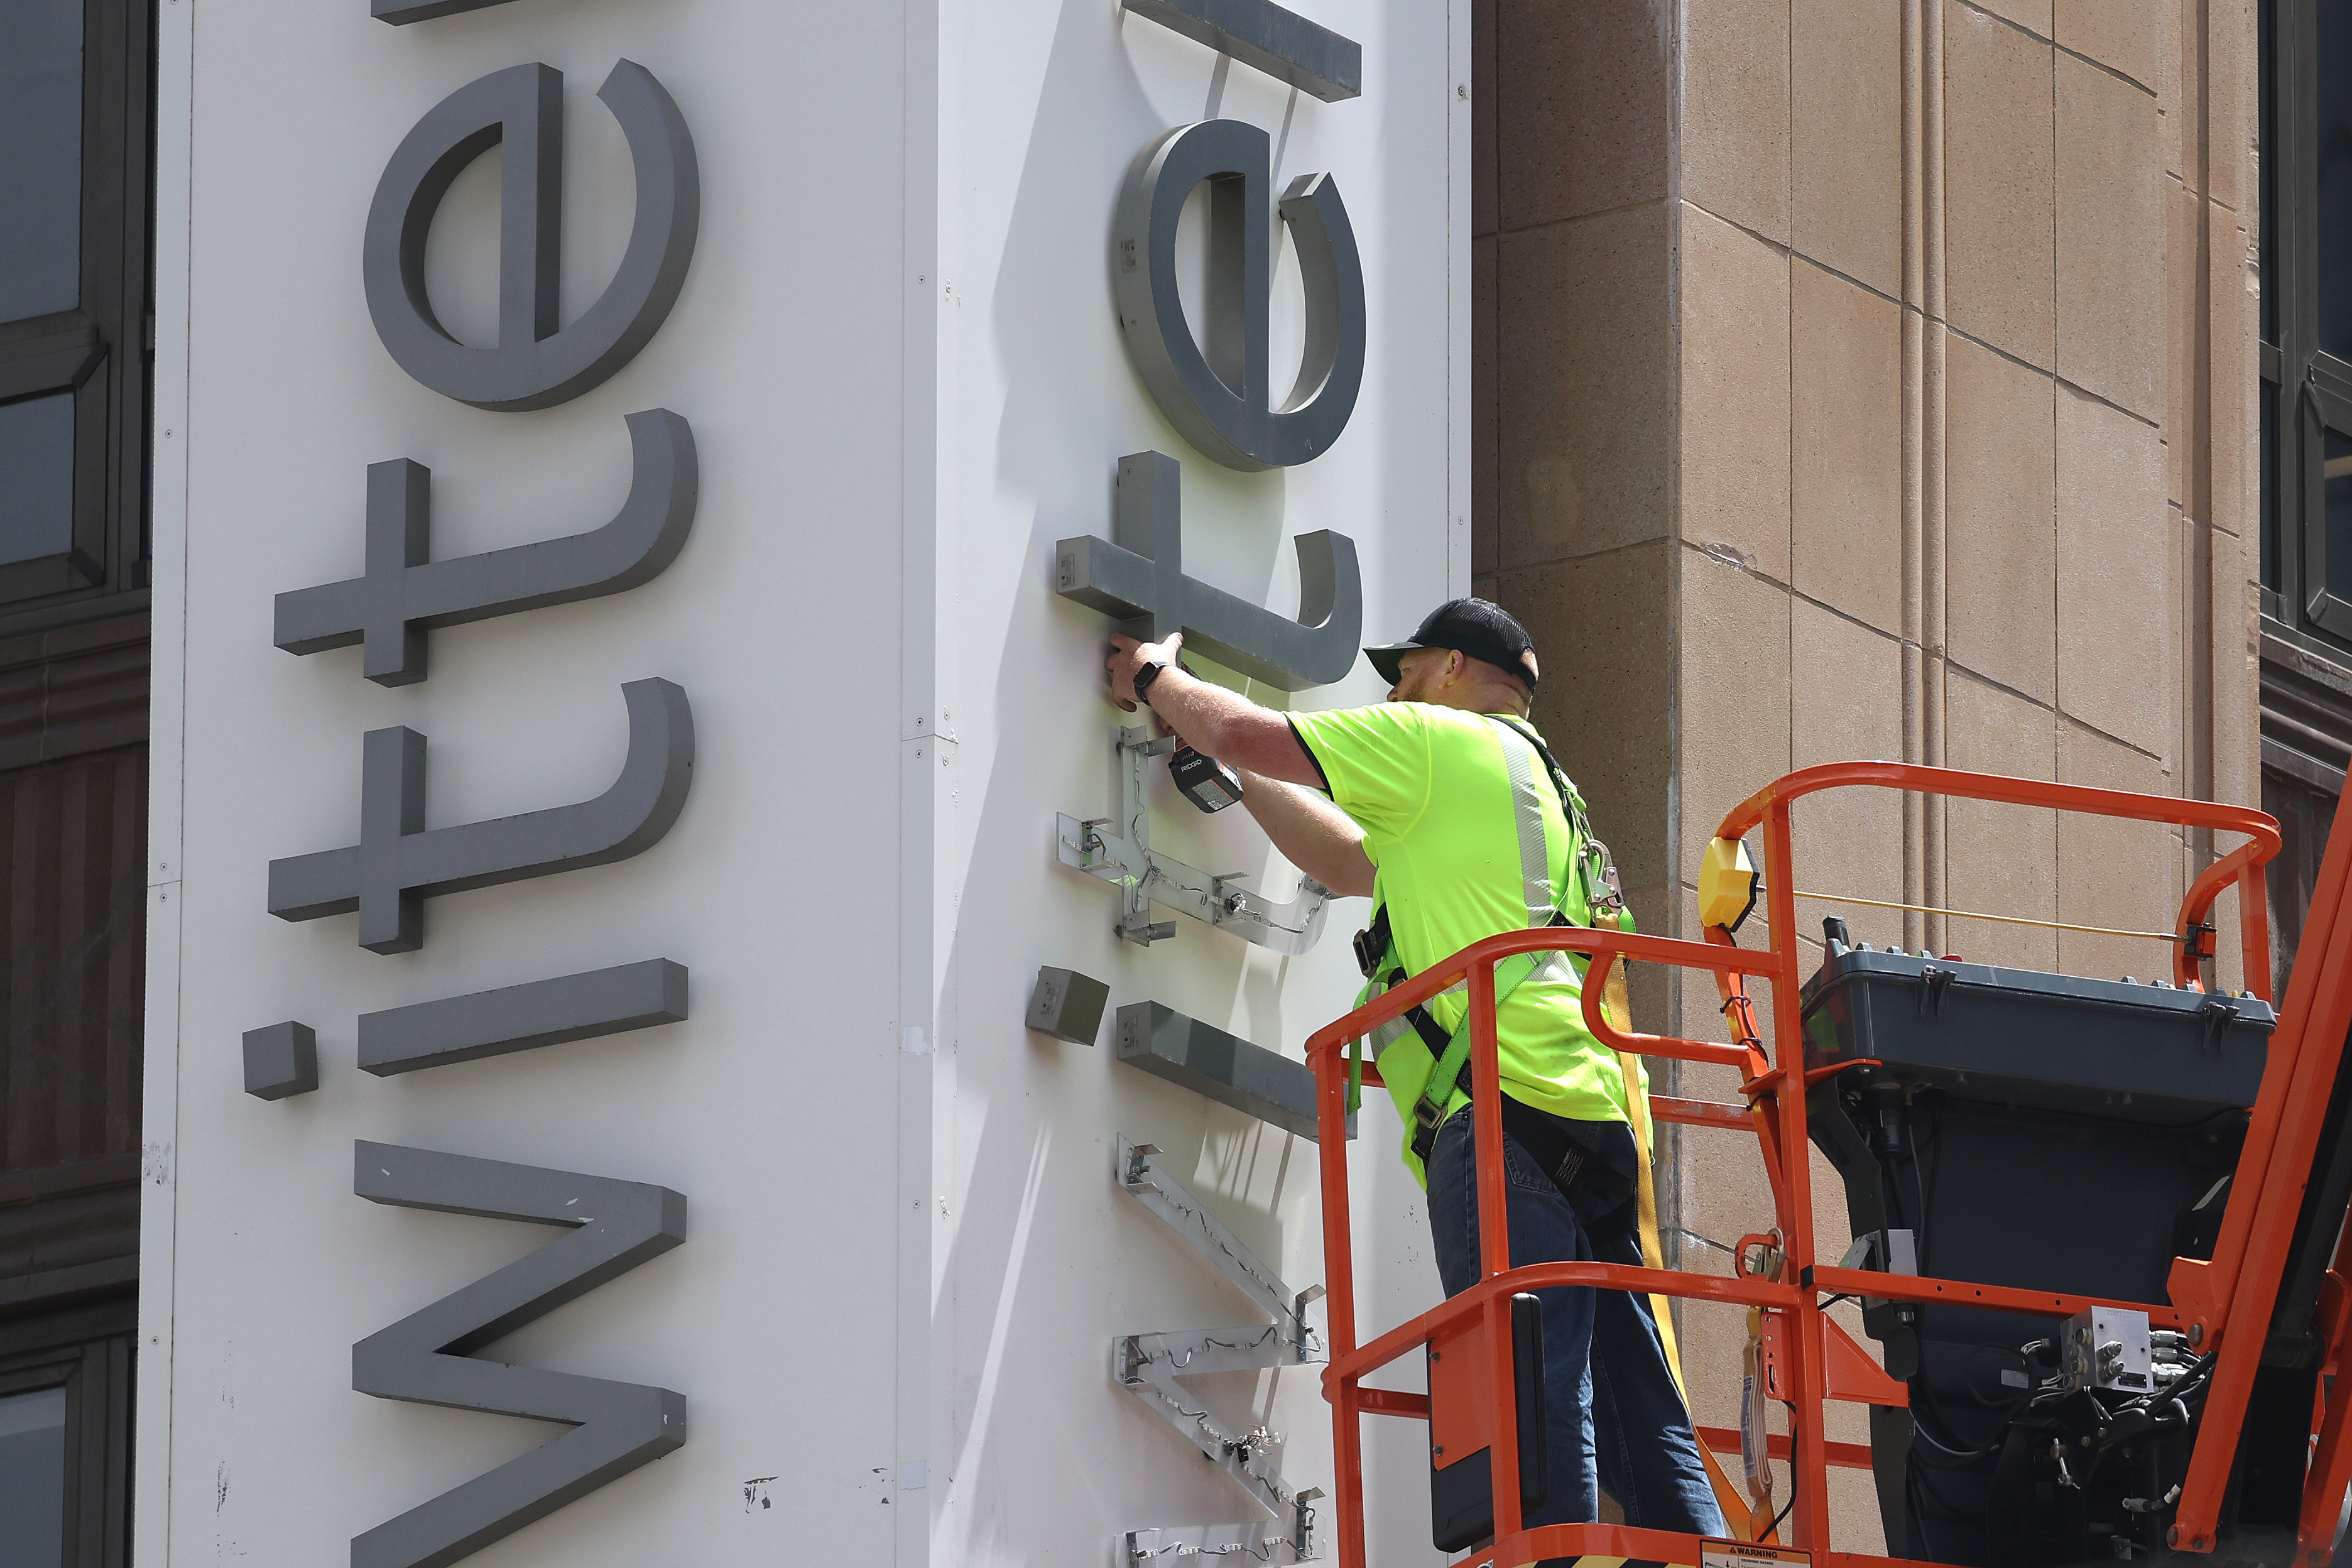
(1444, 806)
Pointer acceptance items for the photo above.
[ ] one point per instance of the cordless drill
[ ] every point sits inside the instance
(1206, 781)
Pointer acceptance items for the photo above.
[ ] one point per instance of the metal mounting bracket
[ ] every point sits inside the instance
(1118, 850)
(1149, 1365)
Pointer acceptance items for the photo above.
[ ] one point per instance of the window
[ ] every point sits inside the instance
(65, 1438)
(2305, 228)
(76, 90)
(33, 1476)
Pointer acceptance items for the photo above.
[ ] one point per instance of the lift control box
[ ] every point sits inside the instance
(2107, 1347)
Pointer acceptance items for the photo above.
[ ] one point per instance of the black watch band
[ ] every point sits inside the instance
(1152, 669)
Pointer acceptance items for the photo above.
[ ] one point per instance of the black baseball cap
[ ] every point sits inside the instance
(1475, 626)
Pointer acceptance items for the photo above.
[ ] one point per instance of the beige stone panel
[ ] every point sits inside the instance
(1734, 453)
(1602, 630)
(2233, 104)
(1585, 346)
(2117, 609)
(1733, 693)
(2235, 447)
(1845, 138)
(1845, 462)
(2181, 328)
(2236, 739)
(1999, 183)
(2122, 34)
(2000, 859)
(2111, 872)
(1582, 96)
(2111, 238)
(1735, 112)
(2001, 527)
(1846, 705)
(2171, 27)
(2032, 14)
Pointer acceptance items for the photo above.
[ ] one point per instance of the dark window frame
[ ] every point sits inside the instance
(88, 1350)
(102, 350)
(2299, 386)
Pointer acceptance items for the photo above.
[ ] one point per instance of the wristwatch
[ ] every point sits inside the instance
(1152, 669)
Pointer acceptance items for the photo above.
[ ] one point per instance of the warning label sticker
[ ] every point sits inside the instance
(1750, 1554)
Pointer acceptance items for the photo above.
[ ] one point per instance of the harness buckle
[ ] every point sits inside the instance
(1372, 943)
(1427, 1117)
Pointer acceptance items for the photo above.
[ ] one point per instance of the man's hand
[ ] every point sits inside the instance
(1210, 720)
(1127, 658)
(1281, 779)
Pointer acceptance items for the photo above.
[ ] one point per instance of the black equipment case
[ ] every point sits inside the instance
(2033, 1131)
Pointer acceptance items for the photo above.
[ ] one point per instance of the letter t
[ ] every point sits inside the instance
(392, 807)
(399, 536)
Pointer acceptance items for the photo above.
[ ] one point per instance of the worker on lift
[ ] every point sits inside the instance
(1444, 806)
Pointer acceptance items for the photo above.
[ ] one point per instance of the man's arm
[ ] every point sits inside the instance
(1312, 834)
(1279, 779)
(1214, 721)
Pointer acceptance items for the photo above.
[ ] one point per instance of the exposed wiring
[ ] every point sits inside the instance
(1209, 1342)
(1135, 1178)
(1264, 1551)
(1707, 1241)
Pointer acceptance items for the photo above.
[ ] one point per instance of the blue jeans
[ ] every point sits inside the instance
(1614, 1416)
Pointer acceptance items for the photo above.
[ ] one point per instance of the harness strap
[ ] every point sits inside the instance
(1595, 867)
(1429, 1110)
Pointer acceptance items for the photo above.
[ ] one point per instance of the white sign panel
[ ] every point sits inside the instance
(644, 489)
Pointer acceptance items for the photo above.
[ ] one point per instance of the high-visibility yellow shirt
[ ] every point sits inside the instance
(1432, 789)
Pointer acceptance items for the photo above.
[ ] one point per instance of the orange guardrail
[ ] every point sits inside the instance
(2255, 1235)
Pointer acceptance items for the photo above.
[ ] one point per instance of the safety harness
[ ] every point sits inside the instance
(1596, 877)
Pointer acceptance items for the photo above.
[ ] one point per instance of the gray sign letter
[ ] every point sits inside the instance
(427, 1357)
(1220, 401)
(538, 362)
(1137, 578)
(397, 864)
(406, 592)
(520, 1017)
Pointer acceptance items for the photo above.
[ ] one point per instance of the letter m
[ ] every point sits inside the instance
(429, 1356)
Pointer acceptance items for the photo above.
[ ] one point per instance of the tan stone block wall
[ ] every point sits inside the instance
(1873, 378)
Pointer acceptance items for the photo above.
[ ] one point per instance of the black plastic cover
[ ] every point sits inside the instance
(2057, 1042)
(1462, 1494)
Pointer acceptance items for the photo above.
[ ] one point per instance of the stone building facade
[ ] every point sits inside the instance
(1875, 379)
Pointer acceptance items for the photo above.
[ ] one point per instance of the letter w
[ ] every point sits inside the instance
(429, 1356)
